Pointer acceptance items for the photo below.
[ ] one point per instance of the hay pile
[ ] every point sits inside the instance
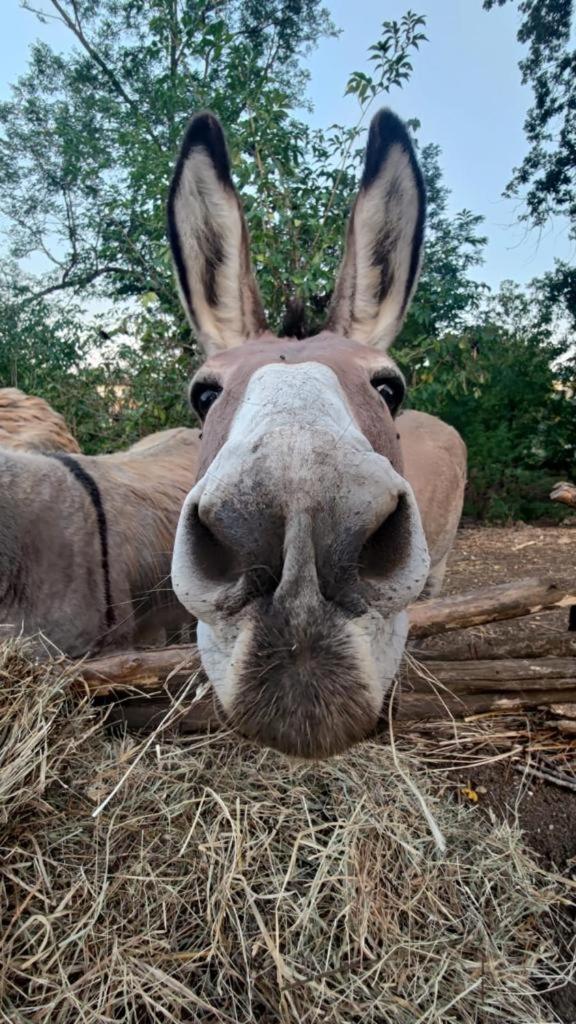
(223, 884)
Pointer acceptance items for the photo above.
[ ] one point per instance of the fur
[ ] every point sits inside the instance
(384, 243)
(29, 424)
(435, 466)
(51, 569)
(209, 241)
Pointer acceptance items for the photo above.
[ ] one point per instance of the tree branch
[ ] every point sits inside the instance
(79, 282)
(76, 28)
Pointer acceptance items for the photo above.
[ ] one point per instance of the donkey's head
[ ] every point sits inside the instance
(301, 544)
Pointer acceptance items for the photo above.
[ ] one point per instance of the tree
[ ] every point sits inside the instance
(447, 298)
(89, 142)
(517, 408)
(110, 391)
(546, 177)
(549, 169)
(42, 346)
(89, 139)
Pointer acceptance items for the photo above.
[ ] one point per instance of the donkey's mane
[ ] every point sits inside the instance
(303, 320)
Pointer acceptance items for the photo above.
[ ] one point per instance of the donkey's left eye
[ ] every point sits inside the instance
(391, 389)
(203, 395)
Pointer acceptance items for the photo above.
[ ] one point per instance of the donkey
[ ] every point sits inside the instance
(301, 543)
(435, 461)
(28, 423)
(86, 543)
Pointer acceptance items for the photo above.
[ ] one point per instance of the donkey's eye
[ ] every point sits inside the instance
(203, 395)
(391, 389)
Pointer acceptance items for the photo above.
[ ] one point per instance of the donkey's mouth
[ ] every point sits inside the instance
(309, 687)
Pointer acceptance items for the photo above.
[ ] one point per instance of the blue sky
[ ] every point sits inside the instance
(465, 90)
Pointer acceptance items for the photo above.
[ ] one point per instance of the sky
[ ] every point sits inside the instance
(465, 90)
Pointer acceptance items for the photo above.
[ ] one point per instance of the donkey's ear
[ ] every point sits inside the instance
(384, 242)
(209, 242)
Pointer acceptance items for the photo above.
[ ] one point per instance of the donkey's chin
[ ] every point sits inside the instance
(309, 690)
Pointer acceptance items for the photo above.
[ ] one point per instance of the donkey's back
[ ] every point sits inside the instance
(86, 542)
(435, 466)
(28, 423)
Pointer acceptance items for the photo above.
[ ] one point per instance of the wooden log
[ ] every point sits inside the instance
(466, 648)
(458, 689)
(418, 706)
(144, 670)
(143, 713)
(148, 669)
(564, 710)
(567, 726)
(138, 688)
(490, 604)
(146, 715)
(512, 675)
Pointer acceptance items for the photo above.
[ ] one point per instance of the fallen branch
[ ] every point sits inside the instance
(144, 670)
(418, 706)
(564, 710)
(567, 726)
(540, 773)
(490, 604)
(513, 675)
(479, 648)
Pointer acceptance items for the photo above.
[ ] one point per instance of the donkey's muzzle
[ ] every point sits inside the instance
(297, 559)
(340, 529)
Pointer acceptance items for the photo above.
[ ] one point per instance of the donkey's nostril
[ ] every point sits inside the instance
(210, 555)
(388, 547)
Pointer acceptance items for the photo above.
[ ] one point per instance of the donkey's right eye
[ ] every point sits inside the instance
(203, 395)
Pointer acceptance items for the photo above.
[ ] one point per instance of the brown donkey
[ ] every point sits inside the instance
(301, 543)
(29, 424)
(86, 542)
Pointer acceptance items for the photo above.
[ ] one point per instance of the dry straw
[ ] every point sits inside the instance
(224, 884)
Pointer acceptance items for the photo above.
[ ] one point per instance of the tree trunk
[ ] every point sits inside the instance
(512, 675)
(418, 706)
(144, 670)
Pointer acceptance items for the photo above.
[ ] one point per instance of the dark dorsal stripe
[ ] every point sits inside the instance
(93, 491)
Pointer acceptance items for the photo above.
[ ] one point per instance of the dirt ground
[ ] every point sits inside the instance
(495, 555)
(546, 813)
(485, 555)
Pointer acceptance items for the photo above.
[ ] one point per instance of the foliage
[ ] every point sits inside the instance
(97, 211)
(143, 386)
(518, 410)
(547, 175)
(447, 297)
(89, 138)
(43, 350)
(549, 169)
(110, 391)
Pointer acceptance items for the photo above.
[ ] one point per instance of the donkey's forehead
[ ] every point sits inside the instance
(341, 355)
(348, 367)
